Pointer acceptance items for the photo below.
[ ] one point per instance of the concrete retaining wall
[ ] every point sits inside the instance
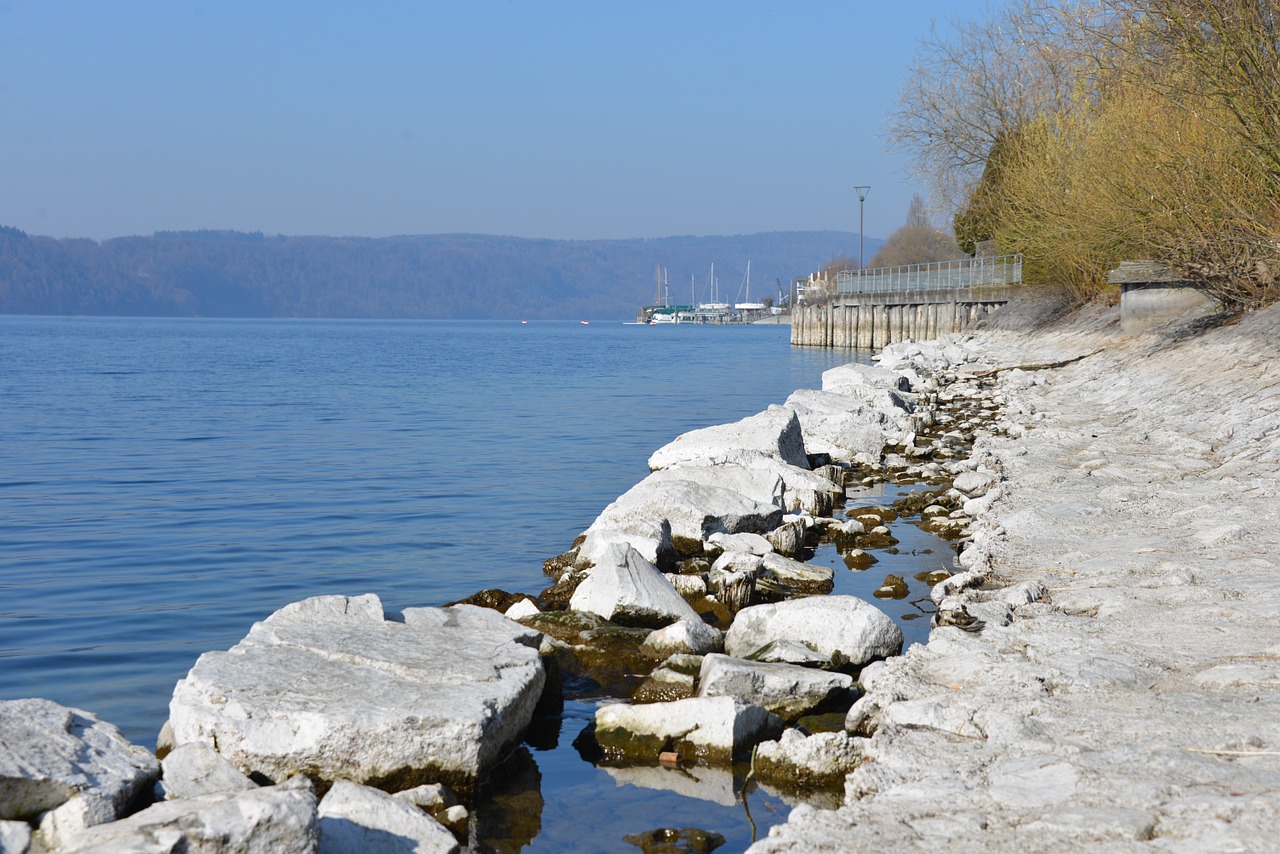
(871, 322)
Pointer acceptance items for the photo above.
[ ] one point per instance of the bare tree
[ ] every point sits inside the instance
(917, 241)
(981, 82)
(917, 213)
(1083, 132)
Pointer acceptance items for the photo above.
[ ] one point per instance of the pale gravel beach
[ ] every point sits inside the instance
(1136, 705)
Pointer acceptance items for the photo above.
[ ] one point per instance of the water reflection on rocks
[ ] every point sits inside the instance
(668, 840)
(509, 816)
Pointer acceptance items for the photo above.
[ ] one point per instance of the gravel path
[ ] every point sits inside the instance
(1135, 704)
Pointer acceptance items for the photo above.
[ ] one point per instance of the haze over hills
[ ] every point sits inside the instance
(236, 274)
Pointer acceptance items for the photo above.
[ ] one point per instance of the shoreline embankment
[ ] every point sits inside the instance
(1123, 692)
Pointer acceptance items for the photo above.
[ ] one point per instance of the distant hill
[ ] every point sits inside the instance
(234, 274)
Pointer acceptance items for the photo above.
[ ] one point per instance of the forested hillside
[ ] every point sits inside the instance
(221, 274)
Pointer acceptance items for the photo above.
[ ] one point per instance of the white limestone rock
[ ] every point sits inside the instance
(689, 586)
(732, 578)
(843, 629)
(709, 729)
(195, 769)
(673, 679)
(523, 608)
(652, 538)
(57, 758)
(747, 543)
(689, 509)
(768, 481)
(694, 637)
(1033, 781)
(455, 818)
(974, 484)
(846, 528)
(881, 390)
(15, 837)
(858, 375)
(263, 820)
(975, 507)
(432, 797)
(357, 818)
(807, 762)
(772, 434)
(954, 584)
(789, 539)
(627, 589)
(732, 565)
(329, 687)
(786, 690)
(794, 578)
(844, 426)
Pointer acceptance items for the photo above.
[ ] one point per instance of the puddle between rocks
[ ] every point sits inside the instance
(581, 807)
(546, 797)
(918, 553)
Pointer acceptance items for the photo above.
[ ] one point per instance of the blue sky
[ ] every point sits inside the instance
(538, 119)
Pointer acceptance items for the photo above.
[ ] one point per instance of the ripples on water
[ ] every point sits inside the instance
(165, 483)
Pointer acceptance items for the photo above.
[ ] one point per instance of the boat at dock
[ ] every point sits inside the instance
(714, 313)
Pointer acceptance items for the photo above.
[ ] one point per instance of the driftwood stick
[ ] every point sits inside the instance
(1041, 366)
(1233, 752)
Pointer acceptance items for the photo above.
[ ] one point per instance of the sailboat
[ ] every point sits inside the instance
(666, 313)
(714, 311)
(747, 310)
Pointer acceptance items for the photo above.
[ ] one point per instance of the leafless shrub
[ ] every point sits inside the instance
(1109, 130)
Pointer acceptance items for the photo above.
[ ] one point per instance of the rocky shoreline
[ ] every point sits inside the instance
(687, 601)
(1123, 693)
(1102, 671)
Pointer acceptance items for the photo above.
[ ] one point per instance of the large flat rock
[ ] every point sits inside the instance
(708, 729)
(800, 762)
(264, 820)
(330, 688)
(693, 510)
(770, 435)
(787, 690)
(845, 630)
(357, 818)
(845, 426)
(787, 577)
(767, 481)
(51, 754)
(879, 386)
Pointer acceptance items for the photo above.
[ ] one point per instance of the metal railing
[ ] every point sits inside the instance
(937, 275)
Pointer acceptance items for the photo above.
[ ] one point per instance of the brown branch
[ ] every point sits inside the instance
(1042, 366)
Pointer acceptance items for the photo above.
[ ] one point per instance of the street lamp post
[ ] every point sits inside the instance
(862, 197)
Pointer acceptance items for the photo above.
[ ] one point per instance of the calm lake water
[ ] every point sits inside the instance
(165, 483)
